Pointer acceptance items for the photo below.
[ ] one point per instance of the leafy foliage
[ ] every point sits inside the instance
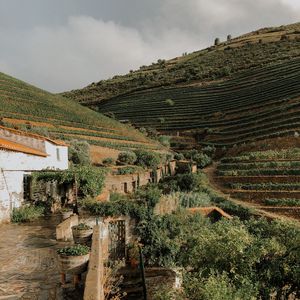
(26, 213)
(128, 157)
(75, 250)
(79, 152)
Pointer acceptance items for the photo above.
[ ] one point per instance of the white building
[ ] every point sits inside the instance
(20, 154)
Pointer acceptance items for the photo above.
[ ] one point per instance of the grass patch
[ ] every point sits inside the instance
(25, 214)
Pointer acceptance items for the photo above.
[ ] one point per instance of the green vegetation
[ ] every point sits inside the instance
(82, 226)
(75, 250)
(282, 202)
(270, 178)
(147, 159)
(89, 180)
(26, 213)
(79, 152)
(243, 258)
(205, 65)
(109, 161)
(128, 157)
(210, 92)
(60, 118)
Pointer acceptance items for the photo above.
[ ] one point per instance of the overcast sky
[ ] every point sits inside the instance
(60, 45)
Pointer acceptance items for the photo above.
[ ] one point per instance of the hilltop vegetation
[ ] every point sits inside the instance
(256, 49)
(207, 95)
(26, 107)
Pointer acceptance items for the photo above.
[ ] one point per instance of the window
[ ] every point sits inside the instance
(57, 154)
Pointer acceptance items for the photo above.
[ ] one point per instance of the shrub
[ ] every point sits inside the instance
(127, 170)
(169, 102)
(89, 180)
(164, 140)
(79, 152)
(26, 214)
(82, 226)
(128, 157)
(147, 159)
(178, 156)
(75, 250)
(202, 160)
(109, 161)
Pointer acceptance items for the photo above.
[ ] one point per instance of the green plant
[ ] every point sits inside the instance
(26, 213)
(79, 152)
(82, 226)
(89, 180)
(147, 159)
(75, 250)
(128, 157)
(109, 161)
(169, 102)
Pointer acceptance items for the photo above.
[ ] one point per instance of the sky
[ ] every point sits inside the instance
(60, 45)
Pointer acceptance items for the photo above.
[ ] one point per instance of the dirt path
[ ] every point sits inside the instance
(210, 173)
(28, 265)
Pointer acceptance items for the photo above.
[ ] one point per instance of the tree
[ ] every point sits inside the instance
(79, 152)
(217, 41)
(128, 157)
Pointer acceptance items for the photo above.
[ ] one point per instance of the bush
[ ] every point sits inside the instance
(169, 102)
(164, 140)
(109, 161)
(75, 250)
(202, 160)
(79, 152)
(179, 156)
(147, 159)
(128, 157)
(89, 180)
(26, 214)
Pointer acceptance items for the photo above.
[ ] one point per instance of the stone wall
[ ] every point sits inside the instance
(130, 182)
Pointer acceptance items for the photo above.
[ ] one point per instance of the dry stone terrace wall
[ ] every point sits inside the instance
(130, 182)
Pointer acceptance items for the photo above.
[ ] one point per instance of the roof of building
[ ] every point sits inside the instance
(12, 146)
(34, 135)
(208, 210)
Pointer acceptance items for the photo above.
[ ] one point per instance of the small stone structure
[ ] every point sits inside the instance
(128, 183)
(64, 229)
(20, 154)
(186, 166)
(213, 212)
(94, 284)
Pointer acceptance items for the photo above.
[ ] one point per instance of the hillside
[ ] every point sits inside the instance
(26, 107)
(208, 94)
(267, 180)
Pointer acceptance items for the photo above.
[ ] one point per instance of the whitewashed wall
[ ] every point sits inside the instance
(11, 192)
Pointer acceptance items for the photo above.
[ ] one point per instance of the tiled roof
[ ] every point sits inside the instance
(12, 146)
(208, 210)
(33, 135)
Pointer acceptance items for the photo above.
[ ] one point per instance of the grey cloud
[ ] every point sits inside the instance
(67, 44)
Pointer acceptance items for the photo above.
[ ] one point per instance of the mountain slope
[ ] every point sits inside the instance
(259, 48)
(29, 108)
(239, 91)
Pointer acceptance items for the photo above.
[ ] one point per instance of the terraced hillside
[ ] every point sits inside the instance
(263, 47)
(208, 94)
(269, 180)
(219, 113)
(32, 109)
